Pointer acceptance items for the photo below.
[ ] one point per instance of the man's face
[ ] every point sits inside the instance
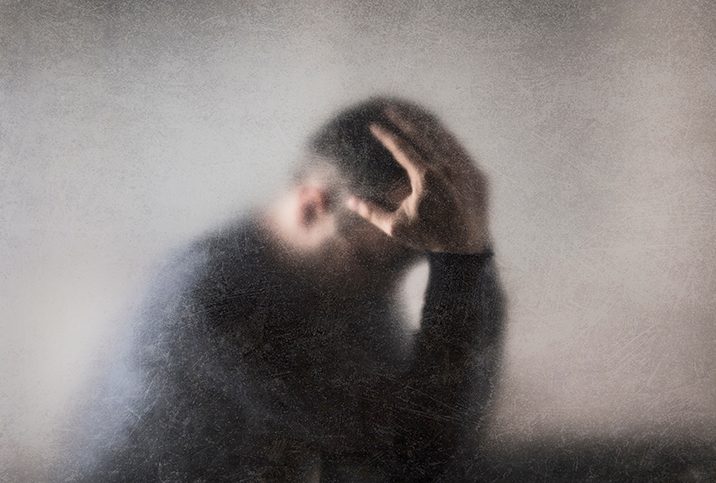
(335, 249)
(357, 255)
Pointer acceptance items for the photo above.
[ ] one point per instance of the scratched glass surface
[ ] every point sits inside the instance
(128, 128)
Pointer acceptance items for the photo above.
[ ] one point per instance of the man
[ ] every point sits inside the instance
(270, 350)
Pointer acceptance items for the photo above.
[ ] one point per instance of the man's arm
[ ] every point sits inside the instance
(442, 401)
(439, 404)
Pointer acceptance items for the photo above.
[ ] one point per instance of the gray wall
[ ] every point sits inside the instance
(129, 127)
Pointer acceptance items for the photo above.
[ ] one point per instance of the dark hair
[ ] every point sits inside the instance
(346, 142)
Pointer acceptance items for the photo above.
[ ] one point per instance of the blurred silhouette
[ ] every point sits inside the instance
(270, 350)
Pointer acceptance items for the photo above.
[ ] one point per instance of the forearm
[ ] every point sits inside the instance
(461, 316)
(456, 357)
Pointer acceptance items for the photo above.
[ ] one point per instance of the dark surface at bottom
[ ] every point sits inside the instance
(599, 461)
(596, 461)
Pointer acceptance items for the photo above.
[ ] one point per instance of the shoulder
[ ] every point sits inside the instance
(195, 282)
(228, 252)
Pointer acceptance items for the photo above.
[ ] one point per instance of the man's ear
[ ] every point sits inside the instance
(312, 205)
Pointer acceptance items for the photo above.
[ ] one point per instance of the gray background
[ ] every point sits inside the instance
(127, 128)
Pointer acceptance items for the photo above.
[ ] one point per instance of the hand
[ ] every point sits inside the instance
(447, 209)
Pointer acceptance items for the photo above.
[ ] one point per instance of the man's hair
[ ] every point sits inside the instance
(347, 143)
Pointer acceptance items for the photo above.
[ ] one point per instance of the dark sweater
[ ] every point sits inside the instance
(240, 371)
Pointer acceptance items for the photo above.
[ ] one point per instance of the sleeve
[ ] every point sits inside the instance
(441, 402)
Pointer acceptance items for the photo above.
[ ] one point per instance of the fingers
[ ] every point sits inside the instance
(402, 152)
(379, 217)
(427, 134)
(421, 132)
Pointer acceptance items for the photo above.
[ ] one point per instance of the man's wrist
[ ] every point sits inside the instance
(459, 264)
(466, 244)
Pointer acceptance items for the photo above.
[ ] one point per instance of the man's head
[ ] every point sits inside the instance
(312, 221)
(347, 143)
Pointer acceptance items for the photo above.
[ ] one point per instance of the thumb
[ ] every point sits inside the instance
(378, 216)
